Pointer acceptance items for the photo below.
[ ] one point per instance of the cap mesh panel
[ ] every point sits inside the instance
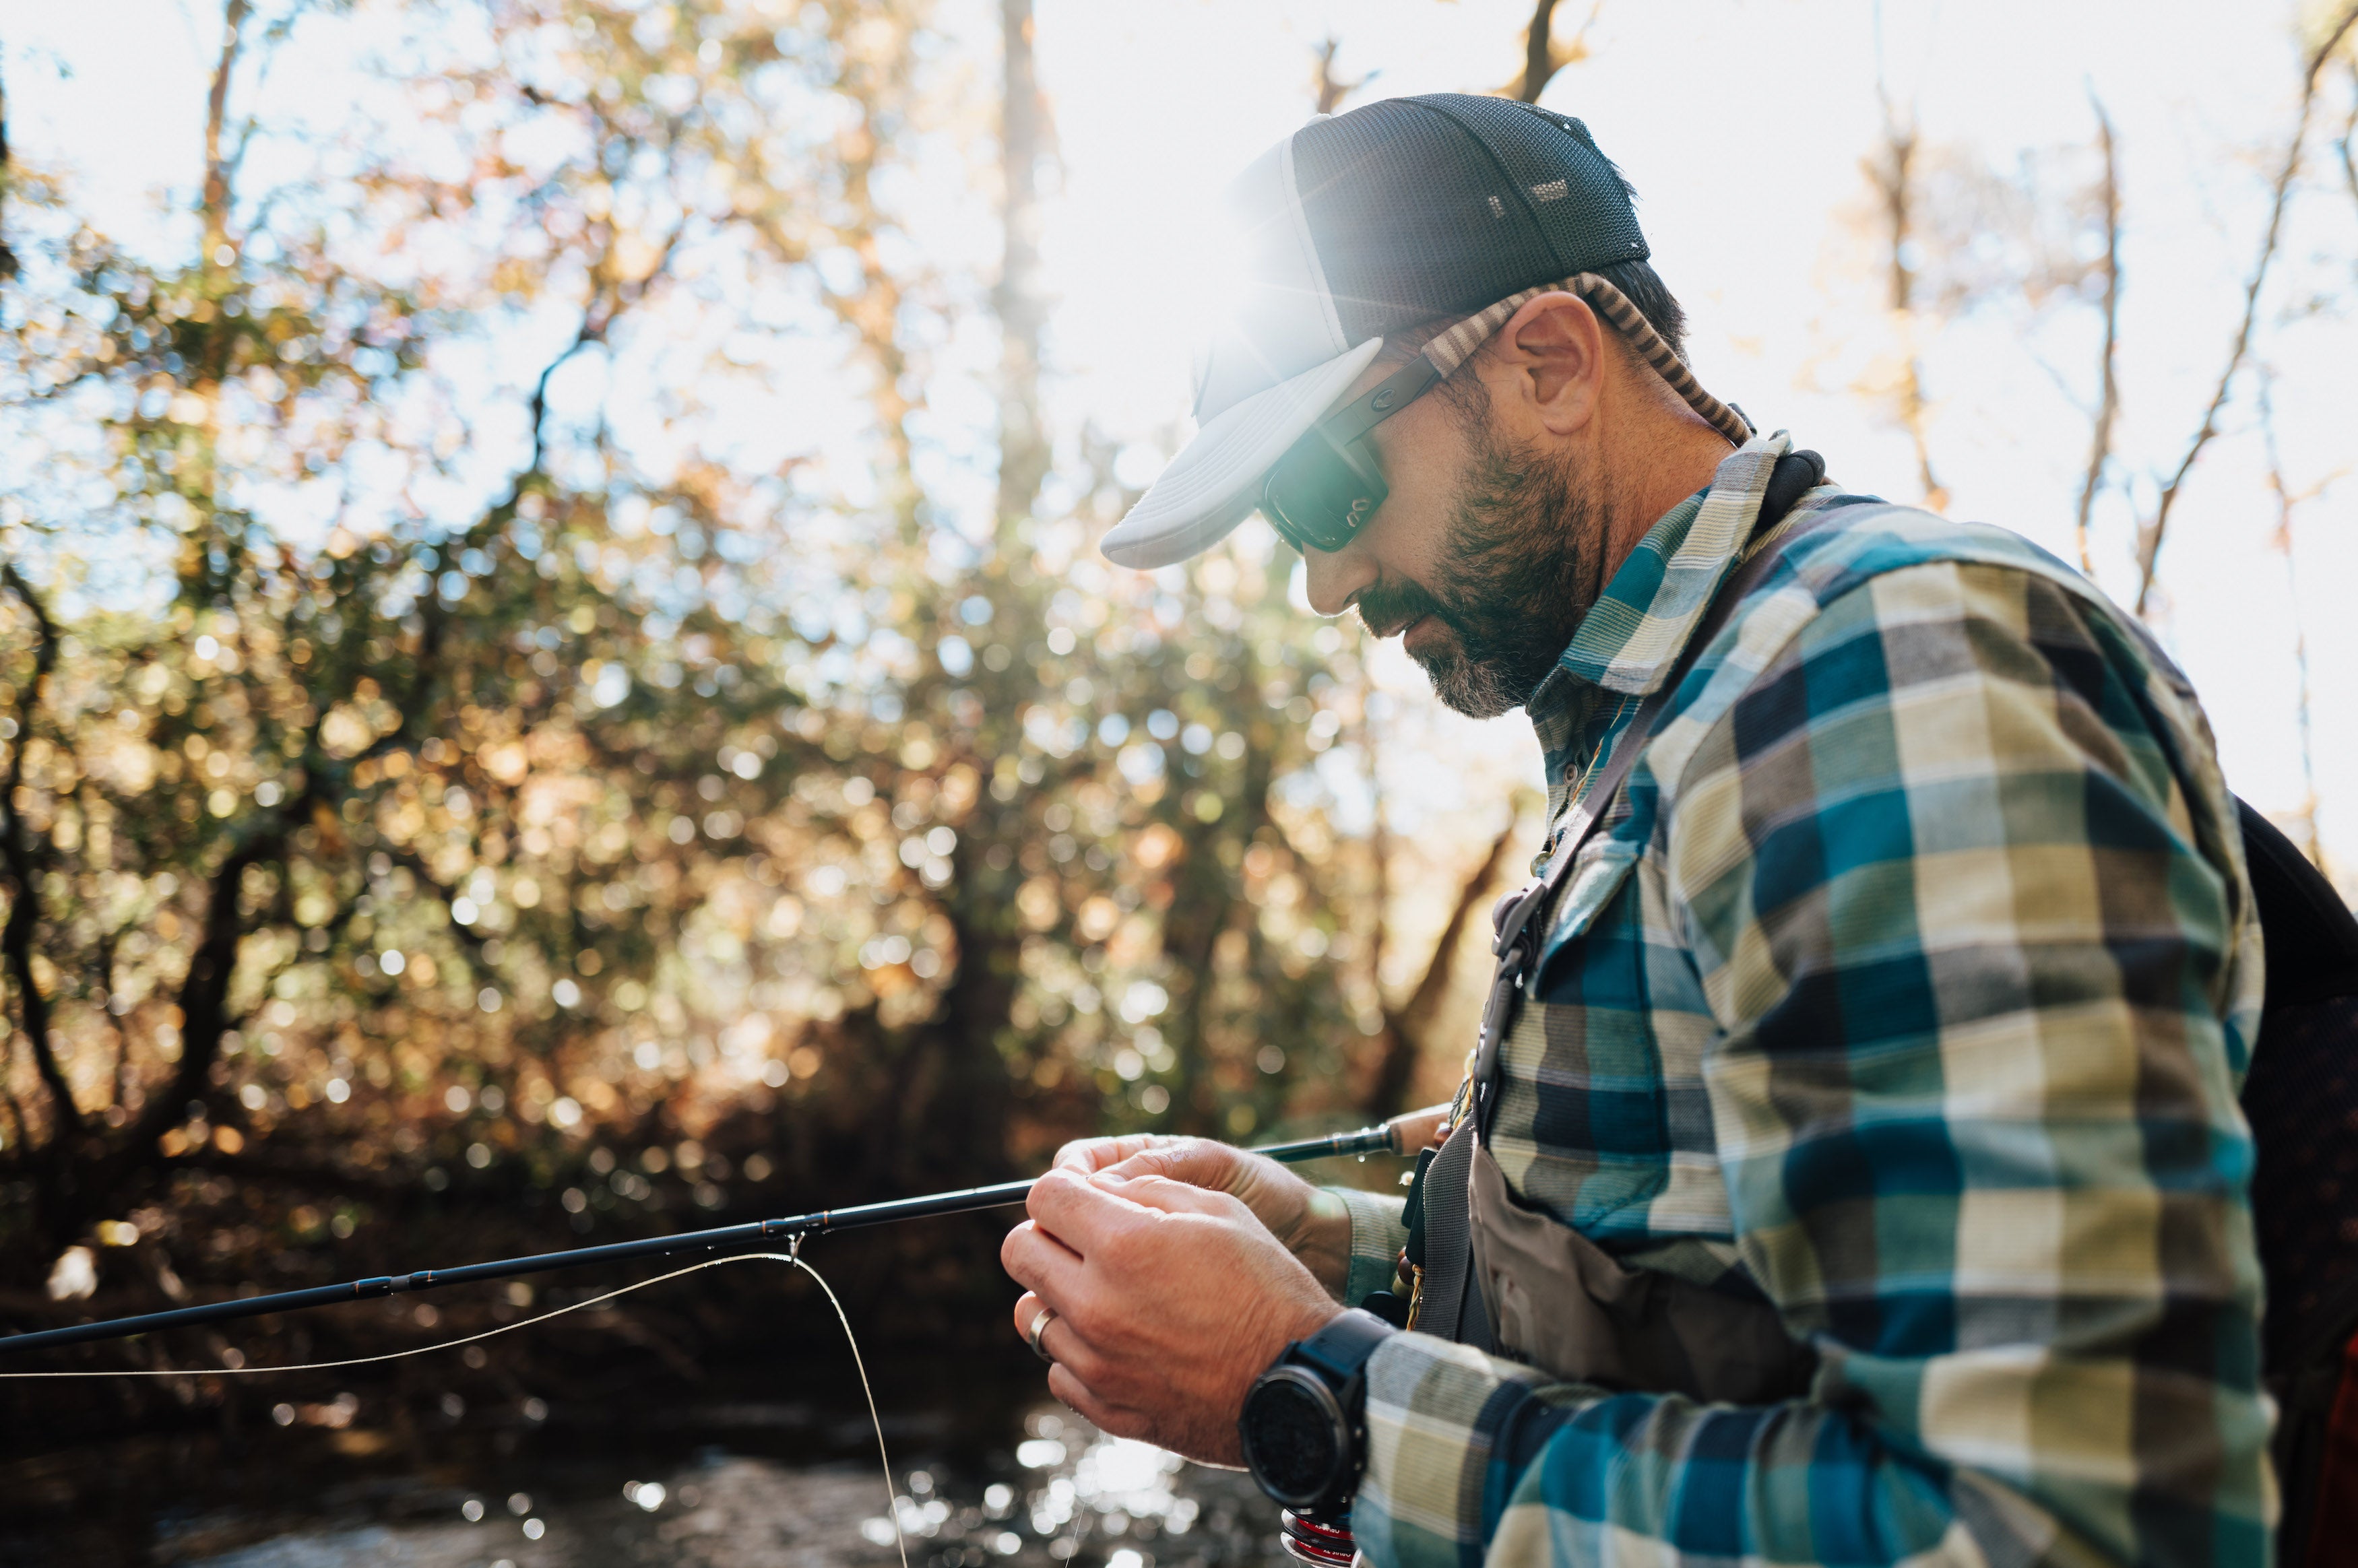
(1438, 205)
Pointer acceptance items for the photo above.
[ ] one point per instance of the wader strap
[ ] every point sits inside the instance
(1447, 1287)
(1448, 1303)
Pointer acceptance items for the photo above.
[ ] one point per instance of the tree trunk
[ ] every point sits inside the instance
(1023, 452)
(1406, 1027)
(968, 1095)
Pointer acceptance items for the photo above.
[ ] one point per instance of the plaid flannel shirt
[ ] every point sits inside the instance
(1908, 987)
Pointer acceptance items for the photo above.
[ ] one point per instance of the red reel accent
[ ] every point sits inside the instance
(1321, 1545)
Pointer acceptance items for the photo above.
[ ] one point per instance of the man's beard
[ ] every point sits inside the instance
(1510, 582)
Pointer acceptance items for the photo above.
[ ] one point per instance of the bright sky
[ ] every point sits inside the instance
(1743, 123)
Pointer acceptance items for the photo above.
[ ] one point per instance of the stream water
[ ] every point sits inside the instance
(985, 1474)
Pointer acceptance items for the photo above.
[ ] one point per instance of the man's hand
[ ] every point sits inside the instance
(1310, 1224)
(1170, 1300)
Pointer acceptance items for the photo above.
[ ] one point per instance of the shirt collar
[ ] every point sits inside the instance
(1633, 634)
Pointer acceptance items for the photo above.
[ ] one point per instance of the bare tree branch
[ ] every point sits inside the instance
(19, 1129)
(214, 202)
(108, 943)
(469, 938)
(2287, 504)
(2108, 396)
(1536, 68)
(275, 34)
(1327, 89)
(26, 860)
(1405, 1026)
(1542, 58)
(204, 992)
(2348, 131)
(606, 305)
(1892, 173)
(2151, 537)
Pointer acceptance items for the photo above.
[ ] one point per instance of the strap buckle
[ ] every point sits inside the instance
(1503, 987)
(1511, 914)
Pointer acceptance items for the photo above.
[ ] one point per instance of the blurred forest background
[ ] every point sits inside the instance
(554, 681)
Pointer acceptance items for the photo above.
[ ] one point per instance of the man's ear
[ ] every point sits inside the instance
(1553, 349)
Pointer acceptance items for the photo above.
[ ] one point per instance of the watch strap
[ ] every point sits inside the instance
(1340, 1350)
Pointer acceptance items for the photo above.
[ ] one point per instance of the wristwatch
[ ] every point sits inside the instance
(1304, 1425)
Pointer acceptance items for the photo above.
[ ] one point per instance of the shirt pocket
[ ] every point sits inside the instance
(1584, 1127)
(1596, 879)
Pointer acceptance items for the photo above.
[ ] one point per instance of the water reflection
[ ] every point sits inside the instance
(1067, 1496)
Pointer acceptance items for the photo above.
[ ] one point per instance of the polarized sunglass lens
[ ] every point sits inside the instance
(1313, 501)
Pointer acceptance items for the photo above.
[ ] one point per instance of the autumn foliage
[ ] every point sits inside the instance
(453, 767)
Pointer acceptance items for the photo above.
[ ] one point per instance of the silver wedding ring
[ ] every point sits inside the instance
(1039, 1326)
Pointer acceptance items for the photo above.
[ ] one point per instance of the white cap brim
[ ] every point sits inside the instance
(1215, 481)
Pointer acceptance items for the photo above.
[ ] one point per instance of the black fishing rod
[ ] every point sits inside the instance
(1399, 1136)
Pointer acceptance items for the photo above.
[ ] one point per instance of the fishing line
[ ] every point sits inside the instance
(892, 1499)
(1398, 1136)
(1393, 1137)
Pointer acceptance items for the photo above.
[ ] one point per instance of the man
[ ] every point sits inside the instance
(1851, 1172)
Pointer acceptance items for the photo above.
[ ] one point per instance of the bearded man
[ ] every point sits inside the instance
(1849, 1169)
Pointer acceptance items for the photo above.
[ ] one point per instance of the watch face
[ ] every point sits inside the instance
(1295, 1436)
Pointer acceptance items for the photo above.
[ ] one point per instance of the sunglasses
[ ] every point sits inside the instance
(1322, 492)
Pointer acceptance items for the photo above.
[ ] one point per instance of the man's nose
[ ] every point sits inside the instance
(1334, 577)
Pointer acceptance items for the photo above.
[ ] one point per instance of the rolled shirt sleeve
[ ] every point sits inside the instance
(1377, 1238)
(1952, 876)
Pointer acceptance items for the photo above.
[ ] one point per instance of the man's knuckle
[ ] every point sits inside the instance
(1123, 1250)
(1048, 1190)
(1085, 1310)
